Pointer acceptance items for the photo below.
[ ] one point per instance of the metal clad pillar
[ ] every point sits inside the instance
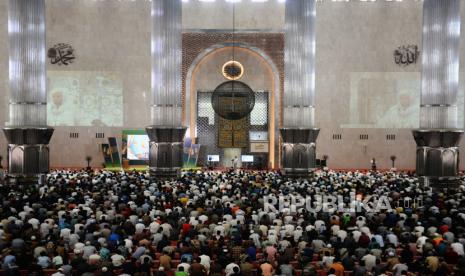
(27, 132)
(166, 132)
(439, 134)
(299, 133)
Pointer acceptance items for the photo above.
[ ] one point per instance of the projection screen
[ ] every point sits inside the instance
(388, 100)
(84, 98)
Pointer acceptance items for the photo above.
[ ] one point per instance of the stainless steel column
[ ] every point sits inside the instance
(27, 132)
(439, 134)
(166, 133)
(299, 133)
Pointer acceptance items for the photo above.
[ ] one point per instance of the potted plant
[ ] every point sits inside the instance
(88, 159)
(325, 158)
(393, 160)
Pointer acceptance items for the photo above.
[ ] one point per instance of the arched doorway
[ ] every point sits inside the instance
(260, 73)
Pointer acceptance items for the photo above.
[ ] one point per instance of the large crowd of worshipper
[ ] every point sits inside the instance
(219, 223)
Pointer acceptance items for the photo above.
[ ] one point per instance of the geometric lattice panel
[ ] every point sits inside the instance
(208, 123)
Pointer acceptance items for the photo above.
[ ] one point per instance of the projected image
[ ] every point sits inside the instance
(388, 100)
(247, 158)
(213, 158)
(84, 98)
(138, 147)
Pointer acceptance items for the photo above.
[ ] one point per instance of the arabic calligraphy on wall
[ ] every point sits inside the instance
(61, 54)
(406, 54)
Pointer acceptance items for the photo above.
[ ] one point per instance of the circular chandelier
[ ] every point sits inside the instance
(232, 70)
(233, 100)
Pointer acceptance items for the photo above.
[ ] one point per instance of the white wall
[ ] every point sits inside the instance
(219, 15)
(113, 35)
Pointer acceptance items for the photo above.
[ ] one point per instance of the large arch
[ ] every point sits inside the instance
(190, 110)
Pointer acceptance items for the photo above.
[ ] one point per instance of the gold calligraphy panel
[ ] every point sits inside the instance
(233, 133)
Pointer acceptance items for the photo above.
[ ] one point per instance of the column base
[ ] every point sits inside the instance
(28, 151)
(440, 182)
(166, 150)
(437, 157)
(299, 151)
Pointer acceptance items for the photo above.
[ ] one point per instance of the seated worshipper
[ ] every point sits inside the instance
(103, 222)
